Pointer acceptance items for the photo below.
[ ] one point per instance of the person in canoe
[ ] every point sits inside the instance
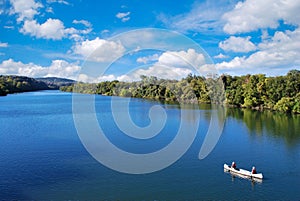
(253, 170)
(233, 165)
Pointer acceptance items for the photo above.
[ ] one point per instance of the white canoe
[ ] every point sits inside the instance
(243, 172)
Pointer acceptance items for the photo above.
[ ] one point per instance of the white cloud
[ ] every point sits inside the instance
(58, 68)
(147, 59)
(125, 19)
(237, 44)
(160, 71)
(220, 56)
(51, 29)
(54, 29)
(265, 35)
(76, 34)
(123, 16)
(182, 59)
(89, 79)
(251, 15)
(103, 50)
(169, 65)
(3, 44)
(84, 22)
(163, 72)
(58, 1)
(280, 52)
(25, 9)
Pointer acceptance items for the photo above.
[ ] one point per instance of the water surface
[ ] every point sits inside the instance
(42, 157)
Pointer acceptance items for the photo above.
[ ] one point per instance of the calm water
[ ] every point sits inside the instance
(42, 158)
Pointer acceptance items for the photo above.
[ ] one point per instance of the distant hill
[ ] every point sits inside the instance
(55, 82)
(13, 84)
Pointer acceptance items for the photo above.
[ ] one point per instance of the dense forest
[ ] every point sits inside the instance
(281, 93)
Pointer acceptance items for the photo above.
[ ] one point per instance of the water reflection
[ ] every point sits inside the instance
(235, 175)
(273, 123)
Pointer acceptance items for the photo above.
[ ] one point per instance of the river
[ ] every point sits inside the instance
(43, 158)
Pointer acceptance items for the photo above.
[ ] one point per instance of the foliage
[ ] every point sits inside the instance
(258, 91)
(15, 84)
(280, 93)
(193, 89)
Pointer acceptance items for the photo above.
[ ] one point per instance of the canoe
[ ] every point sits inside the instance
(243, 172)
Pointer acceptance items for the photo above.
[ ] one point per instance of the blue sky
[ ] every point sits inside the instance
(41, 38)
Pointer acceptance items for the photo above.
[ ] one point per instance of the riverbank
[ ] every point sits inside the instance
(258, 92)
(10, 84)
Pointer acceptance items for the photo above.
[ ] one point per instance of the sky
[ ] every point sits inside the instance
(122, 39)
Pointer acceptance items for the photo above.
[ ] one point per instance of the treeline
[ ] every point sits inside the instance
(281, 93)
(192, 89)
(14, 84)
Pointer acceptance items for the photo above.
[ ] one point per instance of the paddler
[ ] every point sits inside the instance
(253, 170)
(233, 165)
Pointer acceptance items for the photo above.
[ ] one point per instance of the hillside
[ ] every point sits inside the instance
(55, 82)
(14, 84)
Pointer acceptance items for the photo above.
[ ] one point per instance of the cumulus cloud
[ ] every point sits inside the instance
(220, 56)
(281, 51)
(251, 15)
(160, 71)
(99, 50)
(147, 59)
(54, 29)
(237, 44)
(89, 79)
(25, 9)
(123, 16)
(182, 59)
(184, 62)
(58, 68)
(51, 29)
(168, 65)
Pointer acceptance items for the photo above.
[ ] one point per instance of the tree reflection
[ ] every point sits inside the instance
(272, 123)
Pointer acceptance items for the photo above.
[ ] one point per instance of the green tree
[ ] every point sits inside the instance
(285, 104)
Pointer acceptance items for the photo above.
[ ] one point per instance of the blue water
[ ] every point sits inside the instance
(42, 157)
